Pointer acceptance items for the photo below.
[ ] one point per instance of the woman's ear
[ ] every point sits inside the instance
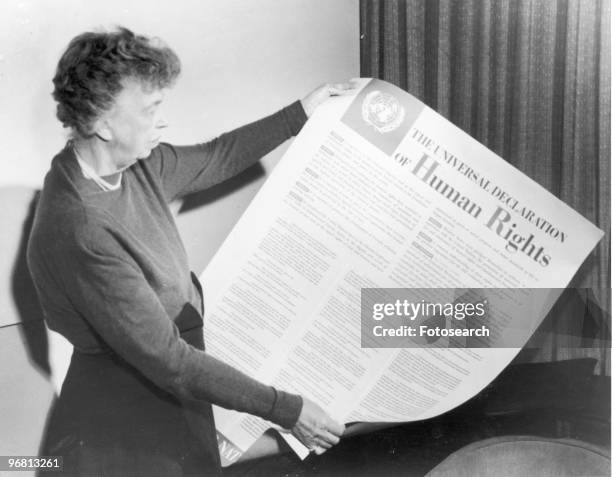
(102, 130)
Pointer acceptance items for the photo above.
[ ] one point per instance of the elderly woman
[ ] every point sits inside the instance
(113, 276)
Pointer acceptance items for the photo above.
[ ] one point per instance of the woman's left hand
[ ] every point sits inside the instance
(322, 93)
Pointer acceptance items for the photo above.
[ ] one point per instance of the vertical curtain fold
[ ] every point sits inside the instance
(530, 79)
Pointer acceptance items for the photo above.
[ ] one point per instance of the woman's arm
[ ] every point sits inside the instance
(109, 290)
(187, 169)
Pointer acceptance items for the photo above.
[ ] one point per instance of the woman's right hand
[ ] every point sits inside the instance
(315, 429)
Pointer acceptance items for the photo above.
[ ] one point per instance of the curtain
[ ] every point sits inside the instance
(530, 79)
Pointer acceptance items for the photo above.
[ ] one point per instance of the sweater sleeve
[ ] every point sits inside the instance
(187, 169)
(110, 291)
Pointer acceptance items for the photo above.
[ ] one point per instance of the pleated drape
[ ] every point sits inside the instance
(530, 79)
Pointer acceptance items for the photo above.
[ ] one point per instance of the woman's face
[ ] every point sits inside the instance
(134, 124)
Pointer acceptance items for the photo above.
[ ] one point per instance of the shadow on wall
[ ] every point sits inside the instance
(28, 311)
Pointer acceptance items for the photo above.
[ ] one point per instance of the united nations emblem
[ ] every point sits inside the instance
(382, 111)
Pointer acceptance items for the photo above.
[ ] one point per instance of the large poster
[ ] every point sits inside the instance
(380, 192)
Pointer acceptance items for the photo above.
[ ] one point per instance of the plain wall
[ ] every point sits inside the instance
(241, 60)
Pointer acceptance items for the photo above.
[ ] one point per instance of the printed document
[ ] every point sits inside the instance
(379, 191)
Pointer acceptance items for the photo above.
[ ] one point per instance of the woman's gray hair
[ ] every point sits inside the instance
(90, 73)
